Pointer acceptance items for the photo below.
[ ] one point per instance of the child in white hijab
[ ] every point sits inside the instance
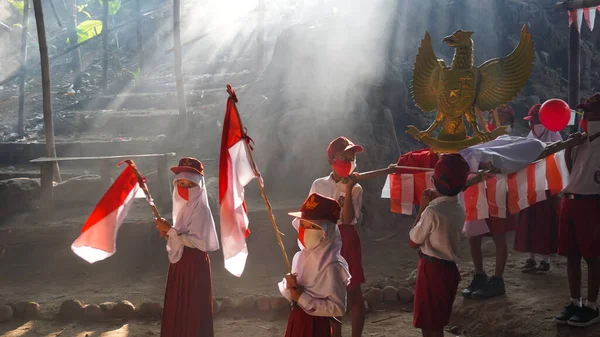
(317, 285)
(188, 310)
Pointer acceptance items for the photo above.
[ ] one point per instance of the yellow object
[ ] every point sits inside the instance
(456, 90)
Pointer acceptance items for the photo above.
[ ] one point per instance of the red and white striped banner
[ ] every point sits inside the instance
(488, 198)
(581, 14)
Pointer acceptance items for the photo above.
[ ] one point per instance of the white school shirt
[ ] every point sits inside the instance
(328, 187)
(438, 230)
(585, 174)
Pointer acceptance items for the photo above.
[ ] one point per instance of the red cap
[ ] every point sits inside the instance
(318, 207)
(451, 172)
(342, 144)
(189, 164)
(591, 104)
(534, 114)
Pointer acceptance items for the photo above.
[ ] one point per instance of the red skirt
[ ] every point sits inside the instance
(537, 231)
(437, 282)
(188, 309)
(301, 324)
(498, 226)
(352, 253)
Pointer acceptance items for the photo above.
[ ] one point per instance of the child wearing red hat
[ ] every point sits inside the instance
(320, 275)
(537, 230)
(436, 234)
(341, 185)
(188, 306)
(579, 222)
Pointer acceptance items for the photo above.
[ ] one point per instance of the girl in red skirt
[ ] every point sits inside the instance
(537, 231)
(188, 310)
(317, 285)
(436, 234)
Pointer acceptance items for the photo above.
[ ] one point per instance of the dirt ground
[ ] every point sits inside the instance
(38, 265)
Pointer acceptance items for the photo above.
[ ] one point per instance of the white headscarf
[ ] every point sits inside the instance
(309, 264)
(544, 134)
(193, 218)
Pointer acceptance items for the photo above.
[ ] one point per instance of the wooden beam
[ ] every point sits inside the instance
(577, 4)
(574, 71)
(24, 34)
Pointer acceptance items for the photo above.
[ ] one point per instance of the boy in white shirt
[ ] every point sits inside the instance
(436, 234)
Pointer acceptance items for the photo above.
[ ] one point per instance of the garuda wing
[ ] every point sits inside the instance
(426, 76)
(501, 79)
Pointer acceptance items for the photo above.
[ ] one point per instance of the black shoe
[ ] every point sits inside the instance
(543, 267)
(529, 266)
(566, 314)
(479, 280)
(492, 288)
(583, 317)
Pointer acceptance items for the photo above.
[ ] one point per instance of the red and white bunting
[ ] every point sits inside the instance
(488, 198)
(581, 14)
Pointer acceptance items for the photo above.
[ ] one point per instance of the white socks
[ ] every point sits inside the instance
(591, 305)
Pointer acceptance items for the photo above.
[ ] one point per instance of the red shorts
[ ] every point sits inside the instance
(437, 282)
(352, 253)
(499, 226)
(579, 225)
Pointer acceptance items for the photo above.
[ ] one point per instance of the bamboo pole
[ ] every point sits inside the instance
(261, 186)
(47, 99)
(178, 64)
(105, 45)
(73, 42)
(20, 118)
(140, 41)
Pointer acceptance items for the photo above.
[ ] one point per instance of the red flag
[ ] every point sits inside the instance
(98, 237)
(235, 172)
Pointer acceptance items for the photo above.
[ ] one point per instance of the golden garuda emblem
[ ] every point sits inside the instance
(456, 91)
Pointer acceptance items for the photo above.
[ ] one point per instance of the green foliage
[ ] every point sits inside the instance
(87, 30)
(136, 74)
(18, 5)
(113, 6)
(81, 9)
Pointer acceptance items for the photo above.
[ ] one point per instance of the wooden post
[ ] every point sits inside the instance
(178, 65)
(140, 41)
(20, 120)
(105, 45)
(47, 99)
(260, 37)
(574, 71)
(47, 187)
(73, 41)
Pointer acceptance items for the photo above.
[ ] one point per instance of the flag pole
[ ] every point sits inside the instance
(260, 182)
(142, 182)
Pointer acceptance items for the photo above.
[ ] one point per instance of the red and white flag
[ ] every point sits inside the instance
(488, 198)
(98, 238)
(235, 172)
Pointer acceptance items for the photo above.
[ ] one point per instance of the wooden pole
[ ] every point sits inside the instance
(21, 120)
(574, 70)
(105, 45)
(73, 41)
(140, 41)
(262, 188)
(260, 37)
(47, 99)
(178, 64)
(577, 4)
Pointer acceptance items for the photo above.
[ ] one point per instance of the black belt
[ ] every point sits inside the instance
(436, 260)
(572, 196)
